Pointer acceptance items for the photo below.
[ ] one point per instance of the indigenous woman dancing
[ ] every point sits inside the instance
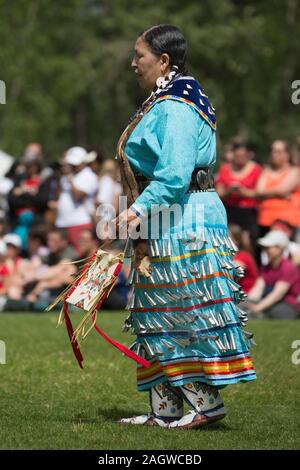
(185, 303)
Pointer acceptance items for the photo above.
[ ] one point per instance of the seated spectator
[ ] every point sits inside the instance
(4, 272)
(107, 200)
(16, 265)
(235, 184)
(292, 251)
(88, 243)
(278, 189)
(244, 259)
(78, 188)
(276, 292)
(57, 270)
(59, 248)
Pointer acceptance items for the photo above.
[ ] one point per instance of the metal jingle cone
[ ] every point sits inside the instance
(248, 334)
(159, 298)
(158, 326)
(241, 312)
(169, 297)
(190, 319)
(183, 342)
(169, 248)
(130, 303)
(204, 316)
(173, 274)
(156, 247)
(227, 243)
(233, 286)
(125, 328)
(131, 275)
(197, 270)
(200, 293)
(226, 342)
(182, 272)
(133, 346)
(204, 235)
(174, 320)
(214, 318)
(232, 341)
(211, 291)
(141, 326)
(150, 300)
(148, 347)
(220, 345)
(221, 320)
(196, 292)
(220, 290)
(151, 279)
(174, 295)
(202, 269)
(167, 322)
(167, 345)
(158, 350)
(158, 273)
(149, 327)
(211, 319)
(193, 271)
(127, 323)
(207, 294)
(185, 293)
(163, 249)
(215, 242)
(139, 303)
(220, 238)
(166, 277)
(233, 245)
(139, 350)
(226, 315)
(136, 277)
(223, 264)
(152, 249)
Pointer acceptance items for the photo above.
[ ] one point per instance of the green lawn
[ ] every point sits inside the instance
(47, 402)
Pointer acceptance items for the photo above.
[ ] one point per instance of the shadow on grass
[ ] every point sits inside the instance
(113, 414)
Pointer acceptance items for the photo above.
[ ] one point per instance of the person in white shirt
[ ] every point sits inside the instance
(78, 188)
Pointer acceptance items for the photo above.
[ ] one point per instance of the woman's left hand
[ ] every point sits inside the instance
(125, 218)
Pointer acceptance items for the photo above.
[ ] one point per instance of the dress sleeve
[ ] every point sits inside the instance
(177, 130)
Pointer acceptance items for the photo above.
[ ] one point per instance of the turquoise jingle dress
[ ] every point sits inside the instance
(187, 316)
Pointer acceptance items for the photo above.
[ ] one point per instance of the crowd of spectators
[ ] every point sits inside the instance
(49, 216)
(48, 224)
(263, 209)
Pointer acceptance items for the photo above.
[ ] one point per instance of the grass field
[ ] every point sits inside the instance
(47, 402)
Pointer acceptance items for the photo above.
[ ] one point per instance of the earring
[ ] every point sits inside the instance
(160, 82)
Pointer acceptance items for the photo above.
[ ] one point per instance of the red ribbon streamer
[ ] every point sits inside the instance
(73, 341)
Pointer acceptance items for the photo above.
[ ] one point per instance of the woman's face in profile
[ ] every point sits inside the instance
(147, 65)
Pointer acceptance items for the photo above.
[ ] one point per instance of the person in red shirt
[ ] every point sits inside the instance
(276, 292)
(4, 271)
(235, 184)
(244, 259)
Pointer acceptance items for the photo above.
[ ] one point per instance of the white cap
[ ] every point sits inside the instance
(274, 238)
(2, 247)
(77, 155)
(91, 157)
(13, 239)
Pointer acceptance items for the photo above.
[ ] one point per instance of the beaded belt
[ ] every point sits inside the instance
(202, 180)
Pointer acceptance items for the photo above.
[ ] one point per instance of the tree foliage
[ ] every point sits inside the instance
(67, 71)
